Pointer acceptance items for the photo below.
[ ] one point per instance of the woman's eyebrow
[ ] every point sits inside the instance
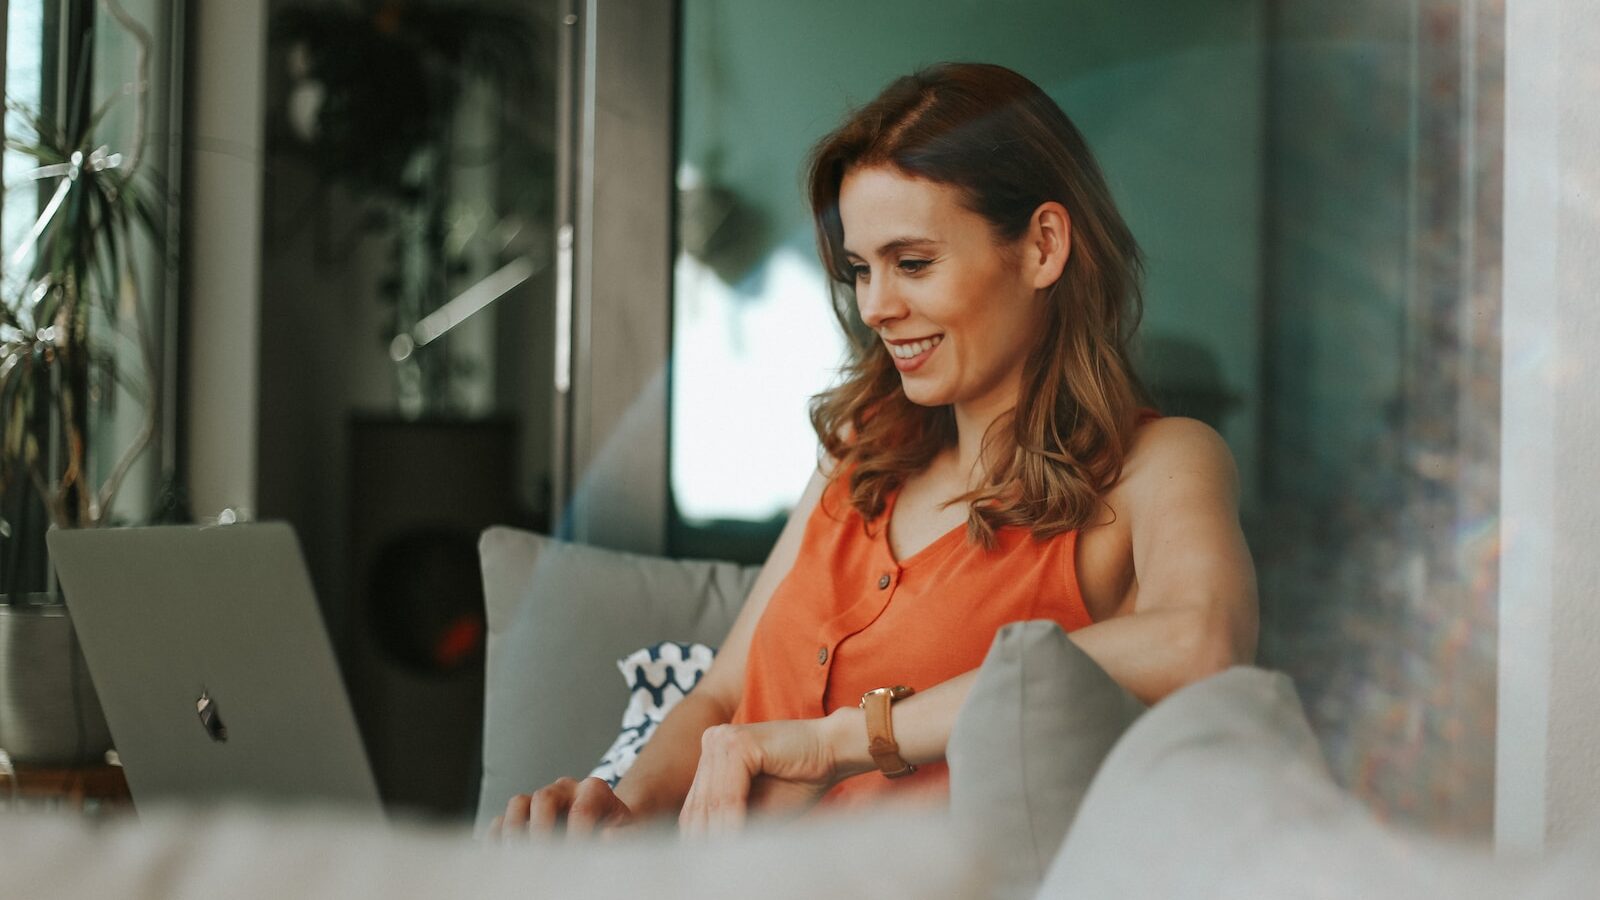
(894, 246)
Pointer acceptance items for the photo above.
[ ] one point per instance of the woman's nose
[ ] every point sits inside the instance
(878, 304)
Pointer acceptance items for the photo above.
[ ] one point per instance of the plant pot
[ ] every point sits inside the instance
(49, 712)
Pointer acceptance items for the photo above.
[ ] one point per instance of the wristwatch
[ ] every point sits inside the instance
(880, 730)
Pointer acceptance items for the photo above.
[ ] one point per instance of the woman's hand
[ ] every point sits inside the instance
(584, 806)
(764, 767)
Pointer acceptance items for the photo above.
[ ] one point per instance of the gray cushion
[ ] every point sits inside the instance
(1026, 744)
(1220, 790)
(560, 615)
(1200, 763)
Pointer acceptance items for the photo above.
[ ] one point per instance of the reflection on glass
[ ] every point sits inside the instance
(1171, 103)
(1316, 191)
(414, 110)
(88, 301)
(24, 59)
(761, 349)
(1377, 542)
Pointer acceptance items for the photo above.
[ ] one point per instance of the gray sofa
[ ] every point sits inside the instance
(1062, 786)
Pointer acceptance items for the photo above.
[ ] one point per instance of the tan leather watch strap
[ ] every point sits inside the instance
(880, 730)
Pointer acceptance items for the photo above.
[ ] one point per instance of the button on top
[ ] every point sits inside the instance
(883, 581)
(822, 656)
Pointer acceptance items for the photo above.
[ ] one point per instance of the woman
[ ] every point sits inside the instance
(985, 460)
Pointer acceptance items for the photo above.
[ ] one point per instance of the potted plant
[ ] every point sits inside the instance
(71, 318)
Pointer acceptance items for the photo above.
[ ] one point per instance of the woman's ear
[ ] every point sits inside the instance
(1049, 243)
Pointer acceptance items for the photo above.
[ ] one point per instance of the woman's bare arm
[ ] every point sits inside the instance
(1196, 611)
(659, 779)
(1195, 615)
(1149, 653)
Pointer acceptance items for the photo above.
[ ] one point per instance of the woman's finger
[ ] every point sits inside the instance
(611, 831)
(726, 819)
(516, 815)
(593, 802)
(549, 805)
(721, 785)
(689, 813)
(692, 819)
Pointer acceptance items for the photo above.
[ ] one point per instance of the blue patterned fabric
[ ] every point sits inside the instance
(658, 677)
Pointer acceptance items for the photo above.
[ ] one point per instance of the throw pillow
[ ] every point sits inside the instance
(658, 676)
(560, 614)
(1208, 779)
(1026, 744)
(1220, 790)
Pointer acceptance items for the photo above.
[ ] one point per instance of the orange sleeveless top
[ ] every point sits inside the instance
(849, 617)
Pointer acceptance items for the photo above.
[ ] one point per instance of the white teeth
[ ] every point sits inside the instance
(907, 351)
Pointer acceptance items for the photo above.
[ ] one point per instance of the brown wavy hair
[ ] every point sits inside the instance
(1007, 147)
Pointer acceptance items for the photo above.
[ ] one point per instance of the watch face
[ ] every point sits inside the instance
(898, 692)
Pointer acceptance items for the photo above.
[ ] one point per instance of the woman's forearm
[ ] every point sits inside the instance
(922, 725)
(659, 779)
(1151, 655)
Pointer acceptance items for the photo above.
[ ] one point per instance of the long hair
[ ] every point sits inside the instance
(1007, 147)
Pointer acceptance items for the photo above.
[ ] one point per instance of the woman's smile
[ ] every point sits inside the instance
(926, 271)
(909, 357)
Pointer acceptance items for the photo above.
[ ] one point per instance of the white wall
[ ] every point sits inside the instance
(1548, 782)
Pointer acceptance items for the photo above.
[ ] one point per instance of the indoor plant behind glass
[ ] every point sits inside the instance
(381, 99)
(74, 344)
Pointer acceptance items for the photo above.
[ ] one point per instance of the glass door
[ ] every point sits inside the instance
(1317, 195)
(1172, 101)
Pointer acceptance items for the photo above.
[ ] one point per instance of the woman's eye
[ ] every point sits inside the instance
(913, 266)
(859, 272)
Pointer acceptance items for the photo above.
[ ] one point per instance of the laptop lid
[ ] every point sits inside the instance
(208, 652)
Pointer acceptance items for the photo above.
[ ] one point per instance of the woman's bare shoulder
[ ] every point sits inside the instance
(1177, 449)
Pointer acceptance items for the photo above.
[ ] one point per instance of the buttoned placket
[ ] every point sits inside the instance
(886, 580)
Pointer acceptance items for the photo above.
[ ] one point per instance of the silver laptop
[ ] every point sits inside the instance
(208, 651)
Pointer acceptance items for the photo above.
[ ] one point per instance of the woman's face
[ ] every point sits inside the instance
(936, 287)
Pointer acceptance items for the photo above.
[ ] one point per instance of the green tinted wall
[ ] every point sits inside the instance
(1169, 95)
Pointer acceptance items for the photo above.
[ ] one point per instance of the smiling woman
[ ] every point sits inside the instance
(950, 206)
(982, 306)
(989, 457)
